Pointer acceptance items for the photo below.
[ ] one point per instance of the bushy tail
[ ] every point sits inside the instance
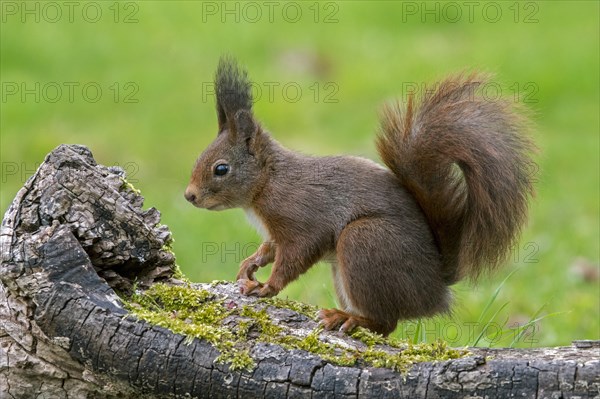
(467, 163)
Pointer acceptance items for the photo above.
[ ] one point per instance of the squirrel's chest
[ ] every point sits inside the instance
(258, 224)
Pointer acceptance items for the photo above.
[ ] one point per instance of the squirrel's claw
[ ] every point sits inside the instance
(330, 319)
(256, 288)
(334, 318)
(248, 286)
(267, 291)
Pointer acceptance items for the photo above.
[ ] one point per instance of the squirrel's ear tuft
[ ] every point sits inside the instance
(221, 118)
(244, 125)
(233, 91)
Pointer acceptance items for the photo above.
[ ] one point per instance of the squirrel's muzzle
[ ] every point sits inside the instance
(191, 195)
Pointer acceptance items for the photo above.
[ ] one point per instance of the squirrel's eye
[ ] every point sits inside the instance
(221, 169)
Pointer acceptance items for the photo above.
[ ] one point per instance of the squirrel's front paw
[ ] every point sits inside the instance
(253, 287)
(267, 291)
(248, 287)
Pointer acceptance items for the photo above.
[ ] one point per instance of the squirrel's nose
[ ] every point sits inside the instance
(190, 196)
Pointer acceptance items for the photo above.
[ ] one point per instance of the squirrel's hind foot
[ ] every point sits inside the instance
(334, 318)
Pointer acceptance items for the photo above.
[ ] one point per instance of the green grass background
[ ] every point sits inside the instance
(543, 52)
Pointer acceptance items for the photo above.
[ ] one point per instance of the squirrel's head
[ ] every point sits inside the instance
(227, 173)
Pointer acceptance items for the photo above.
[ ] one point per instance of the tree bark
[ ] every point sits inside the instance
(76, 232)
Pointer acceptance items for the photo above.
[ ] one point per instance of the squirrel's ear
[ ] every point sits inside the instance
(245, 126)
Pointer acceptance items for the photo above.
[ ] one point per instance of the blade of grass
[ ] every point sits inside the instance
(417, 337)
(494, 296)
(489, 322)
(499, 333)
(524, 327)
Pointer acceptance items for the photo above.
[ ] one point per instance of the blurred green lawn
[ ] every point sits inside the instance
(162, 55)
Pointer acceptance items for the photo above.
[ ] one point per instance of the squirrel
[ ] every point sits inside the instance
(448, 205)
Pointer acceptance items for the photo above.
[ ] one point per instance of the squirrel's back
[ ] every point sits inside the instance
(330, 192)
(467, 162)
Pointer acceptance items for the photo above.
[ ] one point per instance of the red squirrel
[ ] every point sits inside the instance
(448, 205)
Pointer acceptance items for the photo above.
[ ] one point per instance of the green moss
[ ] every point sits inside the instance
(403, 360)
(368, 337)
(126, 186)
(167, 246)
(197, 313)
(237, 359)
(261, 318)
(178, 274)
(332, 353)
(303, 308)
(310, 343)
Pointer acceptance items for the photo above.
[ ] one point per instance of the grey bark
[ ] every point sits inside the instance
(75, 233)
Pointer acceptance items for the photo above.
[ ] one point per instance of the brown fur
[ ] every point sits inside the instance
(466, 161)
(450, 204)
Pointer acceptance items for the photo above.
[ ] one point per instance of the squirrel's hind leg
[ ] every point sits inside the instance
(348, 318)
(384, 272)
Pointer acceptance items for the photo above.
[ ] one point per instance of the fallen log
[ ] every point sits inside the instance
(83, 268)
